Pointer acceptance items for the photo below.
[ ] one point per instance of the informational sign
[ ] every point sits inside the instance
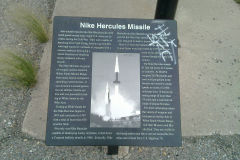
(114, 82)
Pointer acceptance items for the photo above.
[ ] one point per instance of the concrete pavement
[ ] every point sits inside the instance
(209, 62)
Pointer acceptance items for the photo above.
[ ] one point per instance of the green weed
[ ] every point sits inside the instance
(238, 1)
(16, 71)
(33, 22)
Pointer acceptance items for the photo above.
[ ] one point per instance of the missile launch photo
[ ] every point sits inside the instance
(115, 92)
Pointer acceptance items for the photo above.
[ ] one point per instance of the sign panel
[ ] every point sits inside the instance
(114, 82)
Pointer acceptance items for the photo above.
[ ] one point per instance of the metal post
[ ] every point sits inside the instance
(112, 150)
(166, 9)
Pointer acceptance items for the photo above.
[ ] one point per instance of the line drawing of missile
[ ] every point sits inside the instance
(116, 71)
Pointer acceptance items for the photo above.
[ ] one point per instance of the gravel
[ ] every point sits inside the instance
(13, 104)
(214, 147)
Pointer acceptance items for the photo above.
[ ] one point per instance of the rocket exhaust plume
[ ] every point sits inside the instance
(107, 102)
(116, 71)
(116, 90)
(107, 94)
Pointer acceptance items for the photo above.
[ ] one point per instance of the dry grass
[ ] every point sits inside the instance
(36, 23)
(16, 71)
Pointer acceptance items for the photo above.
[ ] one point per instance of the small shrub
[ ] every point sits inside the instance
(16, 71)
(238, 1)
(35, 23)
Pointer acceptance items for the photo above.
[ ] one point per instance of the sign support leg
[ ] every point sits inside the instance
(112, 150)
(166, 9)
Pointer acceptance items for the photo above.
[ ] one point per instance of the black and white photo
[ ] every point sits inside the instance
(115, 94)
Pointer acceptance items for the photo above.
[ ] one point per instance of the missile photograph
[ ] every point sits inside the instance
(116, 71)
(115, 92)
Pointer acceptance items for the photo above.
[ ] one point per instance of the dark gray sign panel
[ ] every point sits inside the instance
(114, 82)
